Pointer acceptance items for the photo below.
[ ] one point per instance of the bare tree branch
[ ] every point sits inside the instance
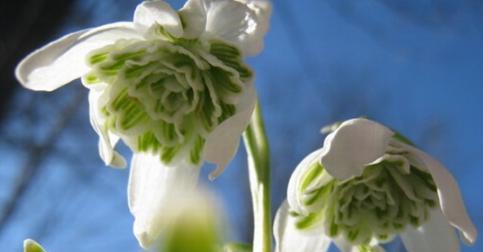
(36, 155)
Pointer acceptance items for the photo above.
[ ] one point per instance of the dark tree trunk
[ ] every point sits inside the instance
(24, 26)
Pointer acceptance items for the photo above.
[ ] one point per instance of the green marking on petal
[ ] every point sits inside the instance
(111, 68)
(164, 94)
(148, 142)
(221, 48)
(132, 114)
(197, 149)
(223, 81)
(231, 57)
(319, 194)
(168, 132)
(134, 71)
(228, 110)
(169, 153)
(308, 221)
(313, 172)
(123, 56)
(97, 58)
(334, 230)
(352, 235)
(90, 79)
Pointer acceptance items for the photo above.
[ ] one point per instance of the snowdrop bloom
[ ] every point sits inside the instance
(365, 186)
(171, 84)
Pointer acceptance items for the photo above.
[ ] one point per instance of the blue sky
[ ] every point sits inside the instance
(416, 66)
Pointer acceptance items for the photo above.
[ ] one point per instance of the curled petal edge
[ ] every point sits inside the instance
(451, 201)
(107, 140)
(63, 60)
(222, 144)
(294, 197)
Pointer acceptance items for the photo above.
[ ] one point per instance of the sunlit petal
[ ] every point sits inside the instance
(352, 146)
(238, 23)
(149, 13)
(243, 23)
(150, 184)
(64, 60)
(194, 17)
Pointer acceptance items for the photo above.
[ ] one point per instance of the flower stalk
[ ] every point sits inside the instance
(257, 148)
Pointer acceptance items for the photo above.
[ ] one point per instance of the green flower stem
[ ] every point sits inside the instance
(256, 144)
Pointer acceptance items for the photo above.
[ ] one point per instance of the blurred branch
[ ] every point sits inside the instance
(24, 25)
(36, 155)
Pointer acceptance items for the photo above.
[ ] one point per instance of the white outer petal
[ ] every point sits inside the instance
(153, 12)
(222, 144)
(294, 194)
(107, 140)
(64, 60)
(434, 236)
(243, 23)
(356, 143)
(193, 14)
(449, 195)
(236, 22)
(263, 11)
(289, 239)
(150, 185)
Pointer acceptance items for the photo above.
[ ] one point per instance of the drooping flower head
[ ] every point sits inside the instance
(367, 185)
(171, 84)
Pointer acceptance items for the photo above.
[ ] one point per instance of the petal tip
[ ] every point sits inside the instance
(23, 75)
(117, 161)
(469, 237)
(143, 238)
(217, 172)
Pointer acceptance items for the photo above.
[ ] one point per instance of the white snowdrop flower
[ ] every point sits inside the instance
(172, 85)
(367, 185)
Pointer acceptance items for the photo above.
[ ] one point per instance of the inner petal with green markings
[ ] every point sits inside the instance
(167, 94)
(390, 195)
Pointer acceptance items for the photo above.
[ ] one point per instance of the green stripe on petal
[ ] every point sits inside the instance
(196, 150)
